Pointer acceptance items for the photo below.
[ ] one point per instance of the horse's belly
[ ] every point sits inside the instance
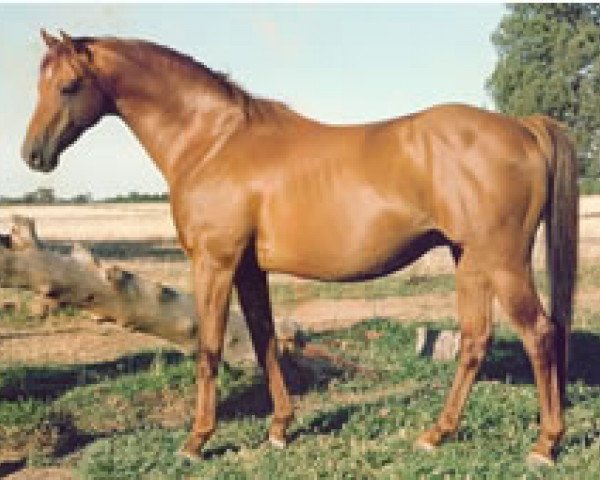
(342, 246)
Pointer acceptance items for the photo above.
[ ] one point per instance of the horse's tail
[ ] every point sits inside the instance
(562, 218)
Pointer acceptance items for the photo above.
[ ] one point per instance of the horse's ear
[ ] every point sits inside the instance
(79, 52)
(49, 40)
(68, 42)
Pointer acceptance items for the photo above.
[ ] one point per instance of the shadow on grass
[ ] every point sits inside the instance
(49, 382)
(252, 400)
(8, 467)
(56, 436)
(326, 422)
(216, 452)
(301, 377)
(506, 359)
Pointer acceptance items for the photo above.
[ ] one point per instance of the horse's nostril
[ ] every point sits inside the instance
(35, 159)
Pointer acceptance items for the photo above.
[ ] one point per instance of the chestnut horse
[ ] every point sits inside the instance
(257, 188)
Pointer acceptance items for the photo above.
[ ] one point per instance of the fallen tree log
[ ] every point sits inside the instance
(108, 292)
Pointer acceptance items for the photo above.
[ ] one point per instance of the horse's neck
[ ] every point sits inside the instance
(169, 127)
(173, 117)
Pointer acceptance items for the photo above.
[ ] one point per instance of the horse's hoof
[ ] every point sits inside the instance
(277, 443)
(536, 459)
(191, 449)
(190, 456)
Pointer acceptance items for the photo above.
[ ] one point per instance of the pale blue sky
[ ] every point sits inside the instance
(336, 63)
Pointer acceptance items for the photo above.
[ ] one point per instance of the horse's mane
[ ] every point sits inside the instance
(145, 51)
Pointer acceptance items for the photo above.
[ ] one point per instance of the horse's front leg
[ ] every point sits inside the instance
(213, 279)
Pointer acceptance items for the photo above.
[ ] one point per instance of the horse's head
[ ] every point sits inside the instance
(70, 100)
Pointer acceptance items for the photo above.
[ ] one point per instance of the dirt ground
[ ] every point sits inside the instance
(84, 341)
(54, 473)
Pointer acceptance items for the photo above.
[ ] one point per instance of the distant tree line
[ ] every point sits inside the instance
(47, 196)
(135, 197)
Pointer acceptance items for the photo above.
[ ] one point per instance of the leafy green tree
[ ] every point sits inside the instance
(549, 62)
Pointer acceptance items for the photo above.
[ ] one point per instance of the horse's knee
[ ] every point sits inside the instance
(448, 422)
(544, 331)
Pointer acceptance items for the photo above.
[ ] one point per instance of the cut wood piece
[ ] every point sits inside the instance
(442, 345)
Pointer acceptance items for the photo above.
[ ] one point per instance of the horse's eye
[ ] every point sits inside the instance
(71, 87)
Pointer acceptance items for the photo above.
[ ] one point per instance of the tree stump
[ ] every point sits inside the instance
(440, 345)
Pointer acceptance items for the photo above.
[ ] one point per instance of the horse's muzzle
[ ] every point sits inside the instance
(38, 157)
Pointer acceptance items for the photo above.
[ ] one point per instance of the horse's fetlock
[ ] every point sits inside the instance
(448, 423)
(202, 432)
(554, 430)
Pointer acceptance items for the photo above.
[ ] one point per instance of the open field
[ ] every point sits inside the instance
(95, 401)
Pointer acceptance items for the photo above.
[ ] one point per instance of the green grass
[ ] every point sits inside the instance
(348, 425)
(589, 186)
(286, 293)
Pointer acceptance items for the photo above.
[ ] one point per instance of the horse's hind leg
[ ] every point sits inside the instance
(474, 301)
(253, 295)
(516, 293)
